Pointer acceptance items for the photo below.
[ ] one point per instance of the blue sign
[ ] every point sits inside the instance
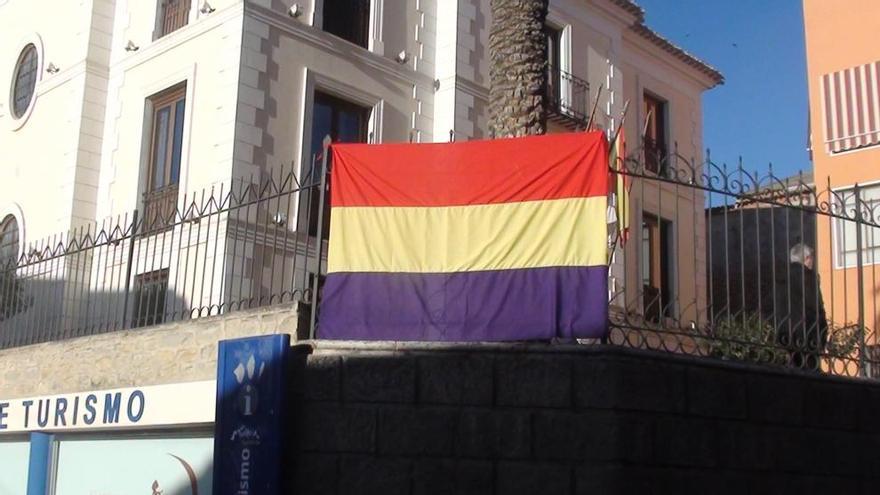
(251, 385)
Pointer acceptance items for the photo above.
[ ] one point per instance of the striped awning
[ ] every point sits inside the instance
(851, 104)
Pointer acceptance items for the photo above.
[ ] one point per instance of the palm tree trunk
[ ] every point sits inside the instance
(518, 68)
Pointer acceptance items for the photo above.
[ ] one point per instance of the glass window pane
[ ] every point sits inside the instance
(149, 465)
(160, 150)
(14, 461)
(179, 110)
(350, 127)
(348, 19)
(846, 240)
(25, 80)
(8, 239)
(322, 120)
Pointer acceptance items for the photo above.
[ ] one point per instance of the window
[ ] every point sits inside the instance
(348, 19)
(565, 96)
(159, 463)
(14, 457)
(846, 247)
(655, 134)
(849, 104)
(149, 298)
(656, 261)
(9, 240)
(166, 144)
(553, 48)
(555, 99)
(345, 122)
(173, 15)
(24, 81)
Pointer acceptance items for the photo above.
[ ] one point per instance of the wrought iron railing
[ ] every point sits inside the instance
(732, 291)
(160, 208)
(220, 250)
(655, 155)
(705, 269)
(567, 99)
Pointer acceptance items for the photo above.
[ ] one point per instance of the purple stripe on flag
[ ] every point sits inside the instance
(497, 305)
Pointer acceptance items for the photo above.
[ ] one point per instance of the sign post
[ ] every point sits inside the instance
(251, 385)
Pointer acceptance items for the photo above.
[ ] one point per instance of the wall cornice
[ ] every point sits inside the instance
(328, 43)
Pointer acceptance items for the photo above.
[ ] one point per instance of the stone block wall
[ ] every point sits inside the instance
(175, 352)
(425, 419)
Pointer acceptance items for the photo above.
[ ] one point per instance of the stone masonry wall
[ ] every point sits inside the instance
(562, 420)
(175, 352)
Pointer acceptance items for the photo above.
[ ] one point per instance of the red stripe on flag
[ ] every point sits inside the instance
(535, 168)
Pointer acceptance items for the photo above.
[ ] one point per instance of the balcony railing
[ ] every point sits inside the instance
(174, 14)
(655, 156)
(567, 99)
(160, 206)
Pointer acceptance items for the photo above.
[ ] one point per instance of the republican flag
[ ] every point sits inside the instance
(471, 241)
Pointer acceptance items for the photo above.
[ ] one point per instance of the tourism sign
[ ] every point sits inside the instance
(158, 405)
(251, 385)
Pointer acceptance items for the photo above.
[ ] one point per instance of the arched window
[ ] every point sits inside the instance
(9, 240)
(25, 80)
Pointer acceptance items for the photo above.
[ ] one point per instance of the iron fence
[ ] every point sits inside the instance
(744, 265)
(255, 243)
(705, 269)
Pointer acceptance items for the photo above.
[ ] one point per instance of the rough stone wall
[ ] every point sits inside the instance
(176, 352)
(424, 420)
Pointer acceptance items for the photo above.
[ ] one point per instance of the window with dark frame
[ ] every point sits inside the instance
(348, 19)
(655, 134)
(25, 81)
(166, 145)
(344, 122)
(656, 267)
(149, 298)
(173, 15)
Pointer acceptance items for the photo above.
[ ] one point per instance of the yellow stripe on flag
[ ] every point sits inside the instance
(532, 234)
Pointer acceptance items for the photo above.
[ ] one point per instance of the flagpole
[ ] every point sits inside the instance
(613, 244)
(595, 106)
(622, 120)
(645, 127)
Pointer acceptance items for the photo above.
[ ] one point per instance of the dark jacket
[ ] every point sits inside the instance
(799, 310)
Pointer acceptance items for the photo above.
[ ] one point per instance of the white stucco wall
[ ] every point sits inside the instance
(41, 150)
(205, 56)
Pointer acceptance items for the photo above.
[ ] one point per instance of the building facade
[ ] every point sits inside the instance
(174, 101)
(117, 106)
(843, 69)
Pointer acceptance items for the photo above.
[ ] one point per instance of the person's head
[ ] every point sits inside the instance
(803, 254)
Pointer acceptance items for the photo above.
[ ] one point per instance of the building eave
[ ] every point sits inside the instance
(713, 74)
(639, 27)
(631, 8)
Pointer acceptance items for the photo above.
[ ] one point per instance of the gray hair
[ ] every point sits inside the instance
(799, 253)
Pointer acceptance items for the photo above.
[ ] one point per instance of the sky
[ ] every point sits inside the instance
(760, 113)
